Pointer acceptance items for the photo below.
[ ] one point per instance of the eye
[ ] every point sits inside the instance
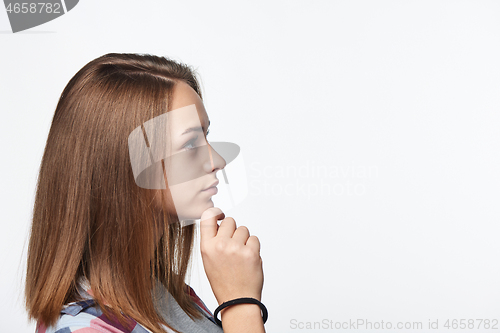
(190, 144)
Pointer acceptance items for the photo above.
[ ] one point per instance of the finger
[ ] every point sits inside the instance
(227, 228)
(208, 222)
(254, 243)
(241, 234)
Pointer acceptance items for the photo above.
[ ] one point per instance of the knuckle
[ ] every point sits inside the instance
(229, 220)
(250, 254)
(243, 228)
(221, 246)
(233, 249)
(254, 239)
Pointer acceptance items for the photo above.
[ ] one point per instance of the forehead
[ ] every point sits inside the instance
(183, 95)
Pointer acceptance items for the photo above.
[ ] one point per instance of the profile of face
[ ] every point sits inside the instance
(191, 163)
(171, 151)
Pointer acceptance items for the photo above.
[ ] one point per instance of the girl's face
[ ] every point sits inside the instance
(192, 165)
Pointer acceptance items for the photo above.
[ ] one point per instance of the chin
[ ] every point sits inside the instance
(205, 206)
(195, 214)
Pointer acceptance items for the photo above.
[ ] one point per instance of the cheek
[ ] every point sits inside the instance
(185, 193)
(185, 168)
(189, 202)
(180, 193)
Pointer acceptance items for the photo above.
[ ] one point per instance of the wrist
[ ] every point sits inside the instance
(244, 309)
(236, 295)
(237, 309)
(242, 318)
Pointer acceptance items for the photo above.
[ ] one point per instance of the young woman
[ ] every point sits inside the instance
(107, 250)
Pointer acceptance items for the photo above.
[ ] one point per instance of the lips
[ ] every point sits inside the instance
(213, 185)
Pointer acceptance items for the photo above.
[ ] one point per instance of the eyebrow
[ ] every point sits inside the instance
(195, 129)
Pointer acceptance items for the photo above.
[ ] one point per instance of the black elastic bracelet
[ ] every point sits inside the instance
(243, 300)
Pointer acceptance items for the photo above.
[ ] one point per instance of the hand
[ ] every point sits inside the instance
(231, 257)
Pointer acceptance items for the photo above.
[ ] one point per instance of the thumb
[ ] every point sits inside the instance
(208, 222)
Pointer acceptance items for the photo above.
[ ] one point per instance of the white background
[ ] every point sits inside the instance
(397, 100)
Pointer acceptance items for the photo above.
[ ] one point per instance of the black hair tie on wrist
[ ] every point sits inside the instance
(243, 300)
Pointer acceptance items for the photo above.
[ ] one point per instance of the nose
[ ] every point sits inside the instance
(215, 162)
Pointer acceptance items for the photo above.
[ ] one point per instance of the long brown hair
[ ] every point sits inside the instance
(90, 219)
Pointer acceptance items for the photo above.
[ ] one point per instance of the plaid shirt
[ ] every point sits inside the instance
(87, 317)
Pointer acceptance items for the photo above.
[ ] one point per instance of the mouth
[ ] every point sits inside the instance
(212, 187)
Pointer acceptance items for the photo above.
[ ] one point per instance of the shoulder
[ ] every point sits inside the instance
(87, 317)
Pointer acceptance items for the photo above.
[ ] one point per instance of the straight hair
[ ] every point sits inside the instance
(90, 219)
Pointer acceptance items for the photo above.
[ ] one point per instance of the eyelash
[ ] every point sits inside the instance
(192, 141)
